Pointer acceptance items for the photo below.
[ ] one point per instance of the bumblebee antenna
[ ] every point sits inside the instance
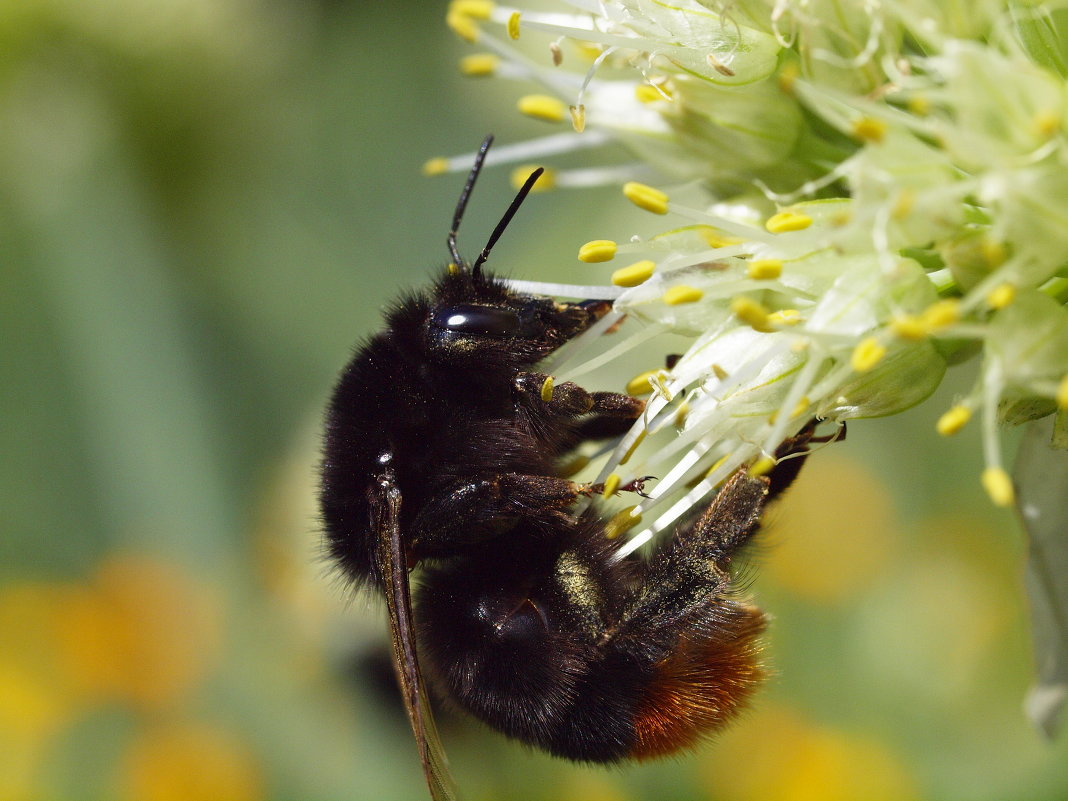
(521, 195)
(461, 204)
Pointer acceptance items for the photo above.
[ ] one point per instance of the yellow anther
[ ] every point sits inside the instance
(597, 250)
(639, 385)
(1062, 393)
(462, 25)
(719, 372)
(659, 384)
(867, 354)
(638, 440)
(545, 182)
(801, 407)
(646, 93)
(1046, 124)
(718, 464)
(678, 295)
(906, 199)
(478, 65)
(621, 522)
(547, 389)
(1001, 296)
(716, 238)
(646, 197)
(909, 326)
(785, 317)
(590, 51)
(753, 314)
(436, 166)
(993, 251)
(765, 269)
(574, 465)
(869, 129)
(998, 486)
(919, 105)
(718, 65)
(542, 107)
(941, 314)
(953, 420)
(513, 25)
(476, 9)
(786, 221)
(761, 467)
(788, 77)
(681, 414)
(578, 117)
(637, 273)
(556, 53)
(611, 484)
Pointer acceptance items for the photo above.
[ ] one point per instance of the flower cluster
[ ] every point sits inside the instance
(882, 191)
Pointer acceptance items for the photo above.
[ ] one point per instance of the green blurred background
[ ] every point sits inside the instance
(203, 204)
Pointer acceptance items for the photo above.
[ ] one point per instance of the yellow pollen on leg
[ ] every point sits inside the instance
(681, 294)
(646, 197)
(597, 250)
(998, 486)
(637, 273)
(953, 420)
(867, 354)
(547, 389)
(542, 107)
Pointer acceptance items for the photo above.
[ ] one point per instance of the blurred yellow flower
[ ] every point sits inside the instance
(777, 754)
(190, 762)
(141, 631)
(833, 534)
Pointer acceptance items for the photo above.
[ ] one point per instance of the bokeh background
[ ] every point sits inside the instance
(203, 204)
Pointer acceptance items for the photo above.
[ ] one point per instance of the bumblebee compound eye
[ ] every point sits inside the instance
(469, 318)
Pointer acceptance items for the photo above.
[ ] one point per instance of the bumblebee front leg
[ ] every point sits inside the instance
(469, 511)
(569, 399)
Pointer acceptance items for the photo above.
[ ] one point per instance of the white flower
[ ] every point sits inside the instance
(885, 190)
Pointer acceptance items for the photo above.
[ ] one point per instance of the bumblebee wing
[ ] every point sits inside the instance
(385, 510)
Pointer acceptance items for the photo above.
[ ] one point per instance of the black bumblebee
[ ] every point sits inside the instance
(443, 450)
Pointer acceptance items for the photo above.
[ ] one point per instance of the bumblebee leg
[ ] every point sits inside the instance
(569, 399)
(471, 511)
(685, 631)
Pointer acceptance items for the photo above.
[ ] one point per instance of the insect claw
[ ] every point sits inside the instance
(637, 486)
